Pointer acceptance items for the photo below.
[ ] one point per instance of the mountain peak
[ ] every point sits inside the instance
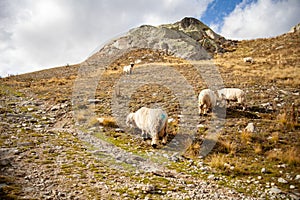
(190, 21)
(194, 28)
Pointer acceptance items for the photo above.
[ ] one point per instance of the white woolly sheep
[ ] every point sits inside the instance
(232, 94)
(151, 121)
(207, 100)
(128, 68)
(248, 59)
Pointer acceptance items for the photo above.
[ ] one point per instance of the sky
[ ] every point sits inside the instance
(40, 34)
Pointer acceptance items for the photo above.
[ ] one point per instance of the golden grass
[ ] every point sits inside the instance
(217, 161)
(193, 150)
(246, 137)
(288, 118)
(258, 148)
(107, 122)
(228, 146)
(275, 137)
(289, 156)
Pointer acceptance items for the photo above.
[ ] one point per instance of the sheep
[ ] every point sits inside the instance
(151, 121)
(207, 100)
(248, 59)
(128, 68)
(232, 94)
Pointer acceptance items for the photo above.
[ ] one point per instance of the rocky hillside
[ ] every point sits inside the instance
(211, 42)
(60, 136)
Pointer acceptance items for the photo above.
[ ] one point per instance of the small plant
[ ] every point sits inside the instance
(228, 146)
(291, 156)
(107, 122)
(289, 117)
(193, 150)
(246, 137)
(274, 154)
(218, 161)
(275, 137)
(258, 148)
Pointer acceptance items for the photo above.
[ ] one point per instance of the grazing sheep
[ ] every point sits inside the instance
(232, 94)
(248, 59)
(128, 68)
(151, 121)
(207, 100)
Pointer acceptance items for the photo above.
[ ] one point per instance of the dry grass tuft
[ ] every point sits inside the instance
(228, 146)
(107, 122)
(218, 161)
(258, 148)
(246, 137)
(275, 137)
(193, 150)
(289, 117)
(289, 156)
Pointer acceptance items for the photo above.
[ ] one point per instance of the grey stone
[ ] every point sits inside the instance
(275, 190)
(282, 180)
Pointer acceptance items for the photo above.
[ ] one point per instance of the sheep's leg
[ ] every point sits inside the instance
(155, 140)
(200, 109)
(165, 136)
(144, 135)
(241, 102)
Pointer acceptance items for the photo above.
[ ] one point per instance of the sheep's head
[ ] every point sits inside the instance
(131, 64)
(130, 120)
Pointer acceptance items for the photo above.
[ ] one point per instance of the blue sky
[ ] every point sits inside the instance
(39, 34)
(217, 10)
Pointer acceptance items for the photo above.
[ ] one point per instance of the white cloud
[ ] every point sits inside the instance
(261, 19)
(42, 34)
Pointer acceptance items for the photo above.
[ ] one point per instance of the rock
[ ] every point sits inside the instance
(250, 128)
(174, 158)
(200, 126)
(263, 170)
(281, 180)
(281, 166)
(138, 61)
(30, 109)
(170, 120)
(275, 190)
(147, 188)
(94, 101)
(119, 130)
(56, 107)
(211, 177)
(297, 177)
(292, 187)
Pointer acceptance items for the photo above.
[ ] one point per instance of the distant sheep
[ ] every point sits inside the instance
(232, 94)
(207, 100)
(248, 59)
(128, 68)
(151, 121)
